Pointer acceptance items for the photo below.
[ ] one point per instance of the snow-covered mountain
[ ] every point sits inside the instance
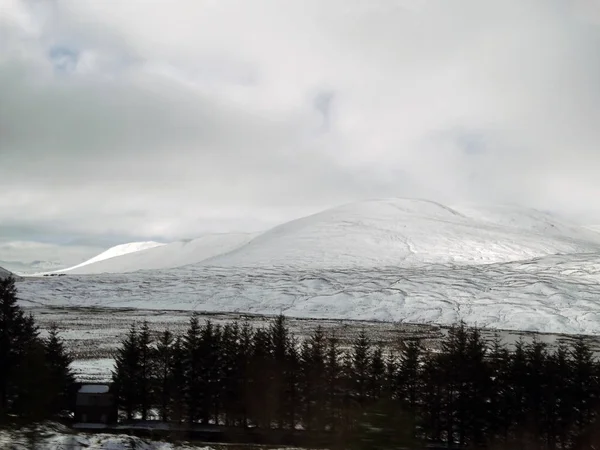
(159, 256)
(402, 232)
(395, 259)
(4, 273)
(114, 252)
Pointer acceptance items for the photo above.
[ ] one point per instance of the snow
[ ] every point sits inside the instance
(94, 389)
(4, 273)
(176, 254)
(114, 252)
(58, 437)
(394, 259)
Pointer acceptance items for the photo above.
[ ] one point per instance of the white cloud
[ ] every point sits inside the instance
(167, 119)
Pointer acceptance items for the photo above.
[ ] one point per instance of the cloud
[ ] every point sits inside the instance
(167, 119)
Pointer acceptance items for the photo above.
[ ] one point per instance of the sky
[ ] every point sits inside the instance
(147, 119)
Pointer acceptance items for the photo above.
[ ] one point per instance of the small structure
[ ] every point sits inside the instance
(95, 404)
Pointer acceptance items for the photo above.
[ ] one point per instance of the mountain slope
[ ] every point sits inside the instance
(402, 260)
(115, 252)
(405, 233)
(165, 256)
(4, 273)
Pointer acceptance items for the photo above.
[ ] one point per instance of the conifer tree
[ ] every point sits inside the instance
(145, 385)
(163, 373)
(61, 378)
(313, 379)
(261, 392)
(194, 385)
(243, 372)
(178, 381)
(377, 375)
(333, 382)
(280, 370)
(360, 358)
(126, 374)
(18, 334)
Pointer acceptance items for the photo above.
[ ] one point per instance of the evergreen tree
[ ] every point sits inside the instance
(313, 380)
(585, 391)
(280, 371)
(18, 335)
(61, 378)
(127, 373)
(163, 373)
(377, 375)
(333, 383)
(261, 392)
(194, 386)
(145, 384)
(360, 358)
(243, 372)
(178, 381)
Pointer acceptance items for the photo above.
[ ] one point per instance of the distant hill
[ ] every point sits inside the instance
(5, 274)
(392, 259)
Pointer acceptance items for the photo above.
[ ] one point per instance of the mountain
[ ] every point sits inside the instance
(151, 256)
(404, 232)
(115, 252)
(394, 259)
(5, 273)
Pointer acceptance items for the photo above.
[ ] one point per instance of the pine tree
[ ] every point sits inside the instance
(360, 364)
(261, 392)
(279, 350)
(377, 375)
(178, 381)
(244, 372)
(333, 382)
(18, 334)
(193, 388)
(163, 373)
(126, 374)
(408, 373)
(313, 381)
(61, 377)
(585, 390)
(145, 384)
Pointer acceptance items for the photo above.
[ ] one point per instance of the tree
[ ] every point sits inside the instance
(126, 374)
(61, 378)
(313, 380)
(18, 336)
(145, 386)
(193, 370)
(163, 373)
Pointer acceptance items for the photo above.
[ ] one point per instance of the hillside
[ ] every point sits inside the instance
(402, 232)
(161, 256)
(395, 260)
(4, 273)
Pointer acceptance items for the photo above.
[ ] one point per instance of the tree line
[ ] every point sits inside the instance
(36, 382)
(470, 392)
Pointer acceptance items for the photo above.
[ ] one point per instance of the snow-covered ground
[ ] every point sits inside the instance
(57, 437)
(396, 259)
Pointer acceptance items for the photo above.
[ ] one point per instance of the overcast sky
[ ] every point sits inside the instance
(141, 119)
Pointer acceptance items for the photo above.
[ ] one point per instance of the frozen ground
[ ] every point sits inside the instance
(57, 437)
(399, 260)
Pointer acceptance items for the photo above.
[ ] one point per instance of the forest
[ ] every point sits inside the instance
(469, 393)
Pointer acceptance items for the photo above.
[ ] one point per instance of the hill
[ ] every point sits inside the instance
(395, 260)
(160, 256)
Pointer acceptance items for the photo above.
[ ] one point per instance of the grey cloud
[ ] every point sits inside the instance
(192, 116)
